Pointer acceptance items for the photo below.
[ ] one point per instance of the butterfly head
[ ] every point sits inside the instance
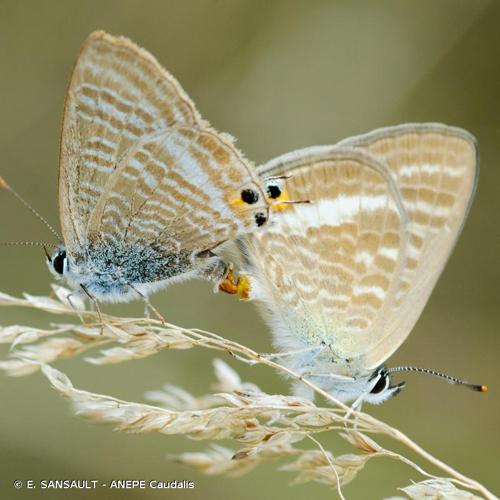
(58, 261)
(374, 388)
(379, 386)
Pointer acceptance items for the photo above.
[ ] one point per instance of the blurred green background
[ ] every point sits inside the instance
(278, 75)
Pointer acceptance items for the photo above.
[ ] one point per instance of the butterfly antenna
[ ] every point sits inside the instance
(30, 244)
(289, 202)
(277, 178)
(27, 244)
(3, 184)
(448, 378)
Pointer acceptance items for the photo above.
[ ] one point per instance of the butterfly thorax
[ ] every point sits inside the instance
(115, 271)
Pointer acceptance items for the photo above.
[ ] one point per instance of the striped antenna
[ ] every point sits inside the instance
(276, 178)
(27, 244)
(3, 184)
(290, 202)
(448, 378)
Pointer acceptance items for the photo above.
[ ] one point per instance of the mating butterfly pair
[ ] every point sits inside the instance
(148, 192)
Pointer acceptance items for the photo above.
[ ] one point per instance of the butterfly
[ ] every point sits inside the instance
(342, 280)
(147, 189)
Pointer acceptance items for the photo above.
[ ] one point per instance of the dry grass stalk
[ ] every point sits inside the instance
(265, 427)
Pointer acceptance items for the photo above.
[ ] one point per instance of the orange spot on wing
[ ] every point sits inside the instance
(237, 203)
(3, 184)
(279, 207)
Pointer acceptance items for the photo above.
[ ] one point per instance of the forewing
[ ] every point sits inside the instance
(435, 168)
(327, 270)
(118, 94)
(179, 190)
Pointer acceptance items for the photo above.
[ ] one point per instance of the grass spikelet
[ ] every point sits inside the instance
(263, 428)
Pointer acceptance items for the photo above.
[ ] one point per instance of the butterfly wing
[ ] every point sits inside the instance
(435, 168)
(179, 190)
(132, 141)
(326, 271)
(117, 94)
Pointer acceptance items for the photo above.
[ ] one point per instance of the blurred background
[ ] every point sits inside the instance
(278, 75)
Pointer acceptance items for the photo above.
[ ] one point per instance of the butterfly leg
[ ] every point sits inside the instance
(96, 305)
(72, 305)
(147, 313)
(334, 376)
(356, 406)
(309, 354)
(216, 270)
(222, 274)
(247, 361)
(312, 352)
(147, 305)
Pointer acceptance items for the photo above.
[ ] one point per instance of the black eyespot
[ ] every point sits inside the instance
(58, 262)
(380, 385)
(249, 196)
(260, 219)
(273, 191)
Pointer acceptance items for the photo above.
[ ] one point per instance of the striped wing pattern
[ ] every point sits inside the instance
(435, 168)
(176, 190)
(138, 163)
(327, 271)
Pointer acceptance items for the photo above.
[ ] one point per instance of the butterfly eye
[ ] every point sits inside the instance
(273, 191)
(58, 262)
(249, 196)
(380, 385)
